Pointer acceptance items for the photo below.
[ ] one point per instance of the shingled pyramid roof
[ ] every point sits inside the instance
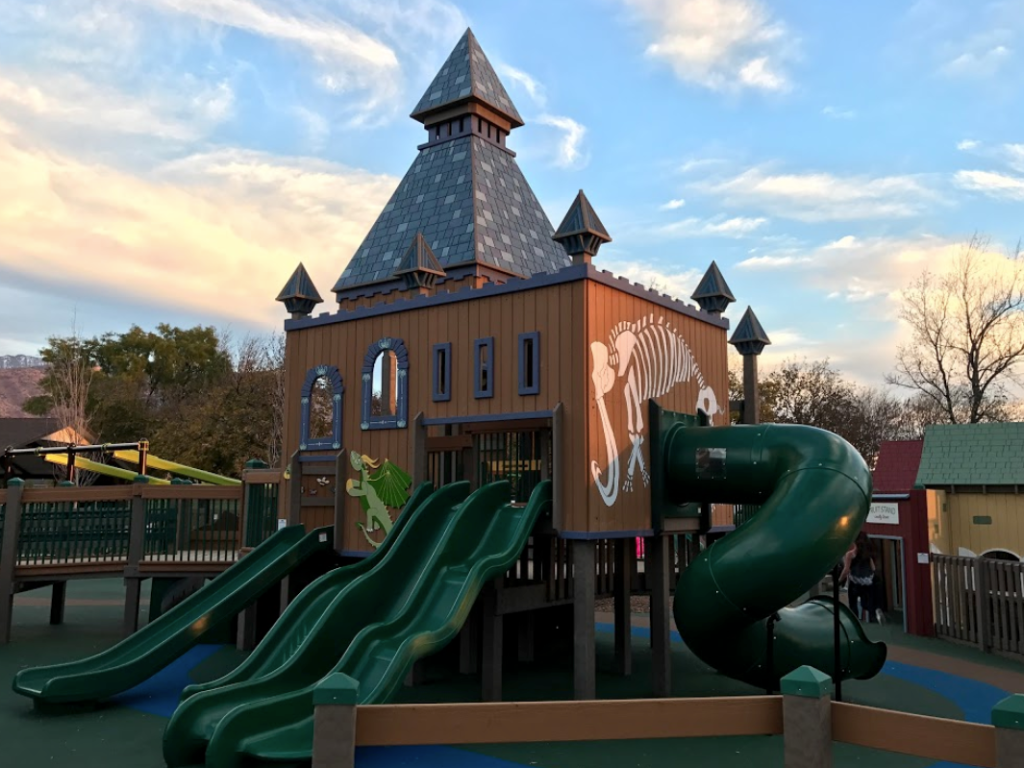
(467, 73)
(419, 258)
(466, 194)
(749, 337)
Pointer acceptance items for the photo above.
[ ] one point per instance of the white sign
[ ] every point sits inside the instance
(922, 557)
(884, 514)
(281, 524)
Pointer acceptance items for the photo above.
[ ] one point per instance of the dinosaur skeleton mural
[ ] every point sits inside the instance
(652, 357)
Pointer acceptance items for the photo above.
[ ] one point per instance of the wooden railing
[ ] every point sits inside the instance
(980, 601)
(804, 715)
(50, 535)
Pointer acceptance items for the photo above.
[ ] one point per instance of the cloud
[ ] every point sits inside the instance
(672, 205)
(185, 112)
(570, 152)
(823, 196)
(838, 114)
(998, 185)
(534, 88)
(978, 64)
(215, 233)
(1015, 156)
(967, 145)
(317, 127)
(694, 227)
(676, 284)
(772, 262)
(724, 45)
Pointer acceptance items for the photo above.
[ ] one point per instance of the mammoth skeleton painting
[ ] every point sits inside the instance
(649, 357)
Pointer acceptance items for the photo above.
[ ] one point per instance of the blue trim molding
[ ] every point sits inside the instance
(441, 356)
(482, 388)
(484, 418)
(571, 274)
(399, 419)
(529, 384)
(333, 377)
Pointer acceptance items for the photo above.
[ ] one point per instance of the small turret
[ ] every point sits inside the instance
(581, 233)
(713, 294)
(419, 266)
(299, 294)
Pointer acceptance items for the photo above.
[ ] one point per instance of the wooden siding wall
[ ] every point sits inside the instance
(1004, 532)
(554, 311)
(606, 308)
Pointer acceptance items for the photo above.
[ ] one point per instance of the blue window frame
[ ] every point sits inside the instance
(483, 367)
(394, 385)
(529, 363)
(442, 372)
(333, 379)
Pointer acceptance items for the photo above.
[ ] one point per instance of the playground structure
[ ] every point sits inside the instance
(514, 420)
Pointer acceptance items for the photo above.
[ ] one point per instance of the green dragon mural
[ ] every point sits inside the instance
(387, 487)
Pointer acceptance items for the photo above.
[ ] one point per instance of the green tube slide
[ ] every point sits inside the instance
(301, 615)
(814, 492)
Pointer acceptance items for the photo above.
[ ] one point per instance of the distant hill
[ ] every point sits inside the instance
(16, 386)
(19, 361)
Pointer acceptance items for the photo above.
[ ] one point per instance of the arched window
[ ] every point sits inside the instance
(321, 409)
(385, 385)
(1000, 554)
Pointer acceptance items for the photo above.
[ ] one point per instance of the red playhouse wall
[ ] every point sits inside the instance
(893, 480)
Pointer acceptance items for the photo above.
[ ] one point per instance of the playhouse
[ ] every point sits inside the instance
(476, 436)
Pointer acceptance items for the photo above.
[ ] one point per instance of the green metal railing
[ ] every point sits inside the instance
(74, 531)
(517, 457)
(261, 512)
(192, 530)
(742, 513)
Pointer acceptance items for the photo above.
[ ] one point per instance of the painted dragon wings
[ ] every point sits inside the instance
(391, 484)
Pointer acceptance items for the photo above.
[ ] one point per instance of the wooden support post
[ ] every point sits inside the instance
(525, 635)
(469, 643)
(493, 635)
(334, 722)
(245, 638)
(807, 719)
(557, 467)
(136, 551)
(415, 676)
(295, 490)
(656, 569)
(625, 553)
(9, 556)
(584, 631)
(57, 600)
(1008, 718)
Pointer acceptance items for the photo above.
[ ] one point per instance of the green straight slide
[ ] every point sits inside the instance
(144, 653)
(815, 492)
(409, 605)
(301, 615)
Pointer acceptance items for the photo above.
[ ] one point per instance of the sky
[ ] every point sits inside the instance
(174, 160)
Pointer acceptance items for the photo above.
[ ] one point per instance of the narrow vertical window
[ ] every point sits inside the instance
(529, 363)
(483, 367)
(442, 373)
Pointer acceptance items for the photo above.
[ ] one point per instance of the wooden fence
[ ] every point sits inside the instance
(980, 602)
(52, 535)
(804, 715)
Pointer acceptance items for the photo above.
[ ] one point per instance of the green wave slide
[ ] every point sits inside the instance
(144, 653)
(409, 605)
(815, 492)
(288, 633)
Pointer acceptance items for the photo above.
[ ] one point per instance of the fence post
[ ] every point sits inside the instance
(1008, 718)
(254, 506)
(807, 718)
(136, 551)
(984, 612)
(9, 556)
(334, 722)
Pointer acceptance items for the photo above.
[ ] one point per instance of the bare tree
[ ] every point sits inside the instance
(69, 376)
(968, 335)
